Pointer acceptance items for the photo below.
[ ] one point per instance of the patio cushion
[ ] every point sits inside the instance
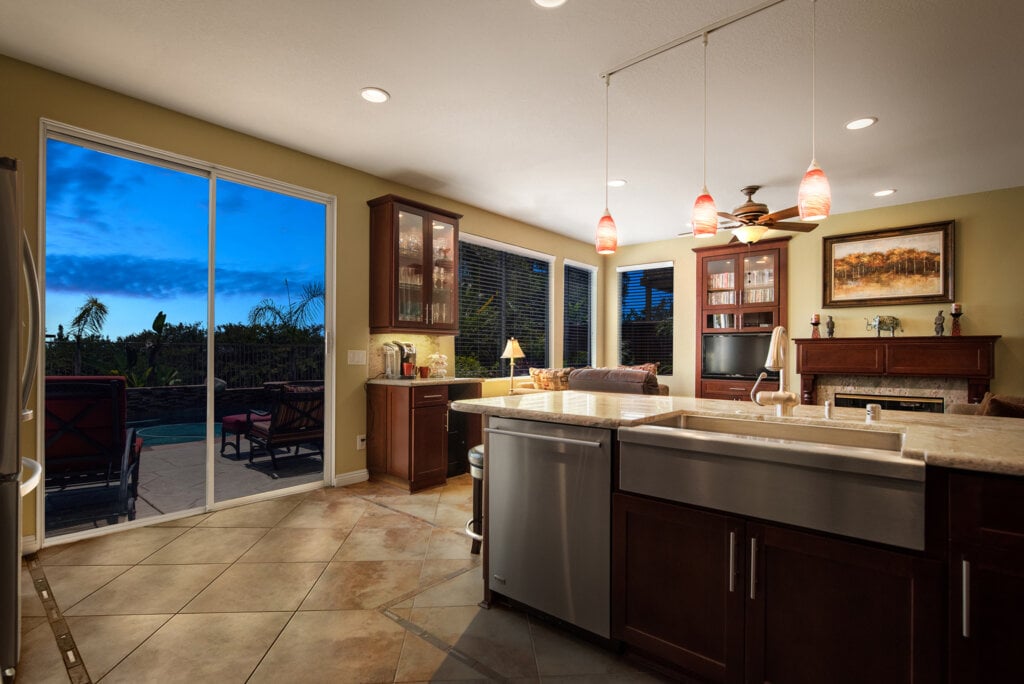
(239, 422)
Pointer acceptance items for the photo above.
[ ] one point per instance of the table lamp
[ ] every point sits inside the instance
(512, 352)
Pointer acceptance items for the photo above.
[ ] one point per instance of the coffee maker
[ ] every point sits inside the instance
(392, 366)
(406, 359)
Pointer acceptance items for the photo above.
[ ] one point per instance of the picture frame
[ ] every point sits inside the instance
(907, 265)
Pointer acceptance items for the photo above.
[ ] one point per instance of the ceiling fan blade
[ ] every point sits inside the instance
(794, 226)
(780, 215)
(733, 241)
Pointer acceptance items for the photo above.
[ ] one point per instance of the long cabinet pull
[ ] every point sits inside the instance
(432, 396)
(965, 598)
(753, 568)
(732, 562)
(544, 438)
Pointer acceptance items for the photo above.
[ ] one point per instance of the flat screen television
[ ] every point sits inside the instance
(740, 356)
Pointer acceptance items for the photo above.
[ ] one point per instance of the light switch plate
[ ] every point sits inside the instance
(357, 357)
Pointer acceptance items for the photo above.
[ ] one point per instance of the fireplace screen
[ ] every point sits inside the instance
(891, 403)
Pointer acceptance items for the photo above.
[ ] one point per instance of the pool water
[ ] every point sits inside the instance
(175, 433)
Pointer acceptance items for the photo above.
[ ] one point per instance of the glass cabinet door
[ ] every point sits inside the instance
(759, 279)
(410, 267)
(443, 276)
(720, 281)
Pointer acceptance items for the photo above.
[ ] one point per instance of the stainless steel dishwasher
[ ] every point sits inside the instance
(549, 507)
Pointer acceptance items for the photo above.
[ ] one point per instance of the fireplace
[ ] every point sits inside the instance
(891, 403)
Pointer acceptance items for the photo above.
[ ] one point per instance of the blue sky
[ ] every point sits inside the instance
(135, 235)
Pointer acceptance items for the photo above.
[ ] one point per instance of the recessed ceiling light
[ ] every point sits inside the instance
(548, 4)
(858, 124)
(375, 95)
(616, 182)
(885, 193)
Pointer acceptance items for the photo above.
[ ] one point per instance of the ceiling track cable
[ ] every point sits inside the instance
(693, 35)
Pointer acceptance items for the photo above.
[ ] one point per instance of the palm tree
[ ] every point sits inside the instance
(306, 311)
(88, 321)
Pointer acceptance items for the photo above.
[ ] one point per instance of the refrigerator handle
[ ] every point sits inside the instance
(34, 331)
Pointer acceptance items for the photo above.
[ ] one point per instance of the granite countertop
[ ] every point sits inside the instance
(987, 444)
(416, 382)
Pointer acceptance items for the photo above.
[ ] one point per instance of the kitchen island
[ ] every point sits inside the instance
(726, 594)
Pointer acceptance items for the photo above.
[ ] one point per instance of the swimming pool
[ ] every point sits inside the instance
(175, 433)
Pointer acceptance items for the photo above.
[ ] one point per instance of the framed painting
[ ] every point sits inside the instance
(909, 265)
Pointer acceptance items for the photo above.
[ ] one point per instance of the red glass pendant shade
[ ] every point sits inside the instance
(607, 234)
(705, 215)
(815, 197)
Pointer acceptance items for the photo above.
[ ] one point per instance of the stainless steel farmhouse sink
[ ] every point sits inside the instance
(843, 480)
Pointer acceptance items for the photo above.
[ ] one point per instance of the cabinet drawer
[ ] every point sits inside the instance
(430, 395)
(738, 390)
(987, 509)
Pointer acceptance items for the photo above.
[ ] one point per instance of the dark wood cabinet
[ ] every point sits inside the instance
(731, 600)
(676, 583)
(986, 587)
(411, 439)
(741, 289)
(414, 254)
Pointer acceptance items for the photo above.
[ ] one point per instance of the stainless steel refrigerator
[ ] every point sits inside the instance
(15, 387)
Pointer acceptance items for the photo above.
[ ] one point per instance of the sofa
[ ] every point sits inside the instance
(623, 380)
(1003, 405)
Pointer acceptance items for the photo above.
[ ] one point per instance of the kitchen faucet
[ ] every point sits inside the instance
(782, 400)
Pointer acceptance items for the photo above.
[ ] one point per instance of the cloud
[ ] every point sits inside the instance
(130, 275)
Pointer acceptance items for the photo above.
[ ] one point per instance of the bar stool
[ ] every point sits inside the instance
(475, 525)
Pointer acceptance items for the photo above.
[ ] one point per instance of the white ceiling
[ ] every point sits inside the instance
(500, 104)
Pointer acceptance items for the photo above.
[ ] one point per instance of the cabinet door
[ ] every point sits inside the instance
(443, 278)
(677, 586)
(429, 446)
(986, 632)
(759, 279)
(824, 610)
(720, 282)
(413, 276)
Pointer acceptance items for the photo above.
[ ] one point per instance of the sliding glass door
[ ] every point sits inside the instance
(145, 255)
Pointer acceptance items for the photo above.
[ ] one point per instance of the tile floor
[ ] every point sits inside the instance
(358, 584)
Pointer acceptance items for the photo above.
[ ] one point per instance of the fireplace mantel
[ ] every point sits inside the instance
(971, 358)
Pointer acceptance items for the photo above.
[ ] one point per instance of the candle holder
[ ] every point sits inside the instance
(955, 332)
(815, 333)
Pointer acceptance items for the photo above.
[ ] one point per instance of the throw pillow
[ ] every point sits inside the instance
(649, 367)
(550, 378)
(1003, 408)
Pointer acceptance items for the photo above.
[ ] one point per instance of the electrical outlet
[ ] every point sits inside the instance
(360, 442)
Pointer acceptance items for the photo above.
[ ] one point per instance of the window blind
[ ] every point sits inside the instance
(578, 317)
(645, 317)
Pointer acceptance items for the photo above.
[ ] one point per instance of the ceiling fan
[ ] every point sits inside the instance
(750, 220)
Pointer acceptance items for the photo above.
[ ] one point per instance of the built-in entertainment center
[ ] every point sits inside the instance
(741, 298)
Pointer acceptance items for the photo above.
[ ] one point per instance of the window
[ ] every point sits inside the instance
(503, 292)
(578, 315)
(645, 315)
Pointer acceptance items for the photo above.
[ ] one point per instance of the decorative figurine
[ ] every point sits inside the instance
(880, 323)
(940, 324)
(830, 327)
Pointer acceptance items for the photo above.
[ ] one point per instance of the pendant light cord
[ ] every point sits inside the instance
(607, 83)
(814, 22)
(704, 151)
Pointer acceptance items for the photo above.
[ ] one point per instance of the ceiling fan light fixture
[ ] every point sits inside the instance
(749, 234)
(705, 215)
(814, 199)
(607, 234)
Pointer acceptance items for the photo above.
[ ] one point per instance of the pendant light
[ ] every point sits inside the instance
(607, 234)
(705, 215)
(815, 196)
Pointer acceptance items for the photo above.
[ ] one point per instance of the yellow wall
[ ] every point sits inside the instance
(31, 93)
(988, 281)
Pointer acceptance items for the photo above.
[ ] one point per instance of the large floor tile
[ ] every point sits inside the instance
(126, 547)
(296, 545)
(561, 654)
(465, 590)
(435, 569)
(453, 516)
(341, 513)
(259, 514)
(103, 641)
(365, 585)
(498, 638)
(334, 646)
(424, 662)
(208, 545)
(385, 543)
(149, 590)
(221, 648)
(41, 661)
(449, 544)
(257, 587)
(190, 521)
(72, 583)
(31, 604)
(379, 516)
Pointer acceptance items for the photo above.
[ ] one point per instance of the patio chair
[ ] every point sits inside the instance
(87, 442)
(296, 420)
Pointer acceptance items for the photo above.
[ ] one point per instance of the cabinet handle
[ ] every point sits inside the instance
(732, 562)
(544, 438)
(965, 597)
(432, 396)
(738, 389)
(753, 568)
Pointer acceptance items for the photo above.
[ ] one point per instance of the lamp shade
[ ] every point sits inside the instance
(512, 350)
(749, 234)
(705, 216)
(815, 196)
(607, 234)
